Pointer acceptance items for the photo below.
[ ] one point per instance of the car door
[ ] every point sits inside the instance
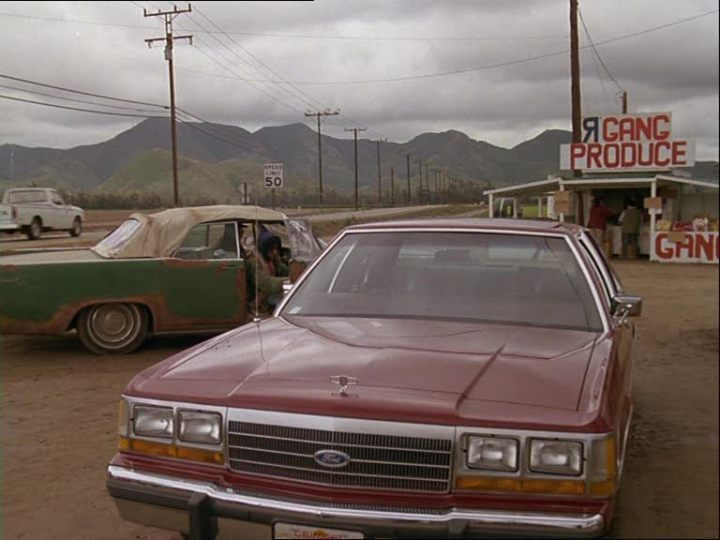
(59, 211)
(203, 284)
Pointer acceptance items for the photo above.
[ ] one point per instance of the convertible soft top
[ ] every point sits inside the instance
(160, 234)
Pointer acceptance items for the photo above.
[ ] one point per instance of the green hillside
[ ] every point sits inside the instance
(220, 182)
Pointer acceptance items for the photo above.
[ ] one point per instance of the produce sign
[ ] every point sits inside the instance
(692, 247)
(627, 142)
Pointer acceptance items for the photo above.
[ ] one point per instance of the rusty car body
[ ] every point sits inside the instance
(441, 378)
(178, 270)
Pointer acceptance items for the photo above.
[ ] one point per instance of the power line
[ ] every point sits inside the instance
(298, 94)
(3, 76)
(80, 109)
(71, 99)
(597, 54)
(251, 83)
(314, 102)
(214, 136)
(499, 64)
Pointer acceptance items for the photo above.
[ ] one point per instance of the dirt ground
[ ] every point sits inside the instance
(59, 420)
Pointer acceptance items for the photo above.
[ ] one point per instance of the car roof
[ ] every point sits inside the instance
(512, 225)
(160, 234)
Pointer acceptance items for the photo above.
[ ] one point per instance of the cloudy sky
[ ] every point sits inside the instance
(497, 70)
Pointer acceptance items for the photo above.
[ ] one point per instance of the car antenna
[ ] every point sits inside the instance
(256, 247)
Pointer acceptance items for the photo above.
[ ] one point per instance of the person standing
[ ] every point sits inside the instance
(631, 220)
(599, 215)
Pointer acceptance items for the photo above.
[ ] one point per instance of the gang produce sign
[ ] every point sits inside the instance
(627, 142)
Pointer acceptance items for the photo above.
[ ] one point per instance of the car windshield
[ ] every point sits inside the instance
(497, 278)
(118, 237)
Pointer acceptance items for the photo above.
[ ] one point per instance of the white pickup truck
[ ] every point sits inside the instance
(34, 210)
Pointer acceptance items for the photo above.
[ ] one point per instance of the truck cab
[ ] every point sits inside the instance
(35, 210)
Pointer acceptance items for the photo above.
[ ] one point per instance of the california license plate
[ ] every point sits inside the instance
(303, 532)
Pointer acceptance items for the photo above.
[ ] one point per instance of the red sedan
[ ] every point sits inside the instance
(425, 378)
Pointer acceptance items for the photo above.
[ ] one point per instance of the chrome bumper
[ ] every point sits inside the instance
(203, 510)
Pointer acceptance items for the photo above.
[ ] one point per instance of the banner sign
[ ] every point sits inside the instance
(627, 142)
(689, 247)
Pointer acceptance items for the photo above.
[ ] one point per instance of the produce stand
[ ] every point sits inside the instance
(682, 226)
(632, 157)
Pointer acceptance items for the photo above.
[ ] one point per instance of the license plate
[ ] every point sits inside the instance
(303, 532)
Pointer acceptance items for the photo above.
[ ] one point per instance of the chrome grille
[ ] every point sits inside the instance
(378, 461)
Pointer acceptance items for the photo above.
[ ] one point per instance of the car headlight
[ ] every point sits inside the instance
(199, 427)
(492, 453)
(556, 457)
(150, 421)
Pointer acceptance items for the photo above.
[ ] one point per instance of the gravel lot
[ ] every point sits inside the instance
(59, 420)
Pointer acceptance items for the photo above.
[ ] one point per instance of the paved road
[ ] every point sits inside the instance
(93, 234)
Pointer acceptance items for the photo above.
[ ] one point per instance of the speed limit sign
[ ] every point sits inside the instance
(273, 175)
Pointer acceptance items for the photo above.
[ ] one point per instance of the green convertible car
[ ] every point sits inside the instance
(178, 270)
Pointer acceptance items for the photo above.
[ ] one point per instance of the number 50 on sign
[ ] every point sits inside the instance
(273, 175)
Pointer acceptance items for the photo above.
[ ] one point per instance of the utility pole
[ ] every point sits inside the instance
(355, 132)
(169, 39)
(575, 78)
(379, 171)
(392, 185)
(407, 172)
(624, 102)
(420, 191)
(326, 112)
(427, 181)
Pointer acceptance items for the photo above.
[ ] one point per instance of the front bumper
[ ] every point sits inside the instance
(204, 510)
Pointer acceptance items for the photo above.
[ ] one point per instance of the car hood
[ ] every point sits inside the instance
(412, 369)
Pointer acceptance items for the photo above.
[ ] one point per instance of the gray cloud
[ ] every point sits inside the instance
(671, 69)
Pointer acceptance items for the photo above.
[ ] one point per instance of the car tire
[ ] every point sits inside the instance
(76, 229)
(114, 328)
(34, 231)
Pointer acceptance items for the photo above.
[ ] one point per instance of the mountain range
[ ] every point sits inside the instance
(215, 159)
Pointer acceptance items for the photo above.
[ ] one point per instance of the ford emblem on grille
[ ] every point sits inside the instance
(331, 458)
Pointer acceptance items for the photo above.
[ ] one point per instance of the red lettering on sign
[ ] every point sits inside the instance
(678, 152)
(645, 155)
(687, 244)
(644, 128)
(662, 145)
(627, 129)
(611, 155)
(577, 150)
(629, 151)
(660, 249)
(704, 244)
(608, 135)
(594, 151)
(661, 127)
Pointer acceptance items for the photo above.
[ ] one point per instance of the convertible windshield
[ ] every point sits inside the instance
(497, 278)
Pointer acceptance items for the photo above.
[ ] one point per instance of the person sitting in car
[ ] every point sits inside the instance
(266, 271)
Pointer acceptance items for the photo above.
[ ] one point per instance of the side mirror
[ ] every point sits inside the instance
(626, 306)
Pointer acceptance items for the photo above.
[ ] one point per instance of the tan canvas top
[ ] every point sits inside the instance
(160, 234)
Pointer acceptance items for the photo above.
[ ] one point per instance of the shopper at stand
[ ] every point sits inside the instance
(631, 219)
(599, 215)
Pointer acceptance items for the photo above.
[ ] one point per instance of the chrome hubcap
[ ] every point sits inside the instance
(114, 324)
